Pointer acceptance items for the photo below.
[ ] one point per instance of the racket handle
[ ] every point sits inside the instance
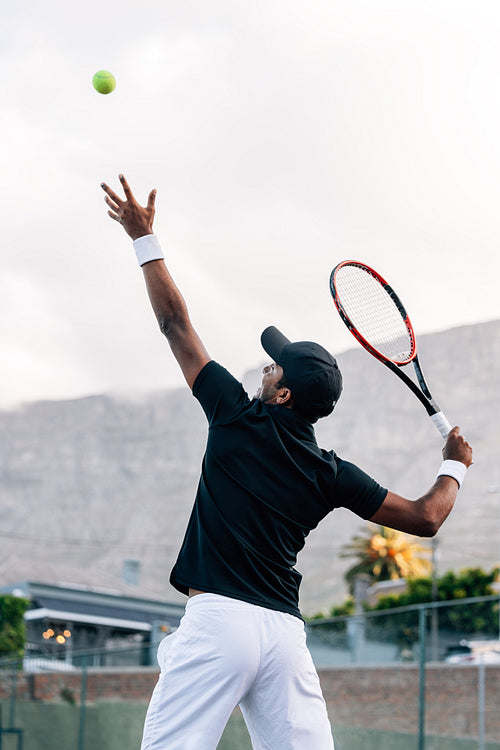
(441, 423)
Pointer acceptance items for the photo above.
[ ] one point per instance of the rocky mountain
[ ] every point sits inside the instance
(87, 484)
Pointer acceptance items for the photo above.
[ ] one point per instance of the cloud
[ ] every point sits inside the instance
(282, 137)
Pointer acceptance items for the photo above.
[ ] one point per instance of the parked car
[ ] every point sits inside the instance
(474, 652)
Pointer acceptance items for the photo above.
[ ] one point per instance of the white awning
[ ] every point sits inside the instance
(60, 615)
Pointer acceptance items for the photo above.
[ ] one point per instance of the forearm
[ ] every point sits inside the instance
(433, 508)
(166, 300)
(422, 517)
(170, 309)
(437, 503)
(425, 516)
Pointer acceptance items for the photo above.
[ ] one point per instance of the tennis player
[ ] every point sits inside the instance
(265, 483)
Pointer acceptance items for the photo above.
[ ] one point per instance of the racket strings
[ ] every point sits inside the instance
(373, 312)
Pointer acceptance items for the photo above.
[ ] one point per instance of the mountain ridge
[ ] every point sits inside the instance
(87, 483)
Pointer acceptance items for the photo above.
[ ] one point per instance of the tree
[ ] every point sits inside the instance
(385, 554)
(12, 627)
(337, 610)
(479, 618)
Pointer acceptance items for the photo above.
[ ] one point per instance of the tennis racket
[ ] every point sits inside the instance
(376, 317)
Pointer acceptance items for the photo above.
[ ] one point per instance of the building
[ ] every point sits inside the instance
(66, 621)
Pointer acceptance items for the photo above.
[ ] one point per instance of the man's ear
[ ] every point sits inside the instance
(284, 396)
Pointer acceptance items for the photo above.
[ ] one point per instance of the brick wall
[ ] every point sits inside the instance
(118, 683)
(384, 698)
(387, 698)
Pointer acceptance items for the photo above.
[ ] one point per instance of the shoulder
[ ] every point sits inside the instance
(357, 490)
(212, 371)
(220, 394)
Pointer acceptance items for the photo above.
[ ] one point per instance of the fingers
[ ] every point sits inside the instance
(116, 211)
(137, 220)
(118, 202)
(454, 433)
(454, 436)
(126, 188)
(457, 447)
(111, 193)
(114, 206)
(151, 200)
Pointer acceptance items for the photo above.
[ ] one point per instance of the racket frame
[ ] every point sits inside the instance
(423, 393)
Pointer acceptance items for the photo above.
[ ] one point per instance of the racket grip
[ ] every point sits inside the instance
(441, 423)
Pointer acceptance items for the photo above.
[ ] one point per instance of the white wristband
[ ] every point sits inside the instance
(148, 248)
(455, 469)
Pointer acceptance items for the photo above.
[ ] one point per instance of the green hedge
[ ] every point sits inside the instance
(12, 627)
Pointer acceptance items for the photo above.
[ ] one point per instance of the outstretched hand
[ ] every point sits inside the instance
(137, 220)
(457, 448)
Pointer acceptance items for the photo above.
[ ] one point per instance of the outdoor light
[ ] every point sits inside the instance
(60, 638)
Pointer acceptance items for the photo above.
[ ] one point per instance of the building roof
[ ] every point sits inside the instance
(87, 605)
(23, 568)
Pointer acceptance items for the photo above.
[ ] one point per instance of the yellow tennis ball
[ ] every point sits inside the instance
(104, 82)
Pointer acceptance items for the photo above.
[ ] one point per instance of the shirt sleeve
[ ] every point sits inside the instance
(357, 491)
(221, 396)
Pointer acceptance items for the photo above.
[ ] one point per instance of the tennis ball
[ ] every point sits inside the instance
(104, 82)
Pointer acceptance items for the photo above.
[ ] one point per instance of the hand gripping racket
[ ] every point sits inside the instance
(375, 316)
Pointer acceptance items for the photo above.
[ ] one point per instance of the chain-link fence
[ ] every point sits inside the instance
(425, 677)
(421, 677)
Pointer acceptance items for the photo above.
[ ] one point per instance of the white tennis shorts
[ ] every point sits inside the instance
(224, 653)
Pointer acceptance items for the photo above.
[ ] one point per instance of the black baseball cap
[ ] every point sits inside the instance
(310, 371)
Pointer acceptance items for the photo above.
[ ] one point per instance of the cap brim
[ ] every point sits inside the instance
(273, 342)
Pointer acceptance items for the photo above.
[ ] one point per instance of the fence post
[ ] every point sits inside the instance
(13, 695)
(421, 695)
(83, 700)
(481, 703)
(435, 612)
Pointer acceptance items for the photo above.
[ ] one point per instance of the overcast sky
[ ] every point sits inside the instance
(282, 137)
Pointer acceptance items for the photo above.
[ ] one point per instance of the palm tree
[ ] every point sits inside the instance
(385, 554)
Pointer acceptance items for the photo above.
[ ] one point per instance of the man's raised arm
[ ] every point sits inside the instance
(167, 301)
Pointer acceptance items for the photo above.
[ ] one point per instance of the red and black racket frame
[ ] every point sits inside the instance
(423, 395)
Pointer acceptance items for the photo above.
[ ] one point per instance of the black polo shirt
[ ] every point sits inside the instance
(265, 484)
